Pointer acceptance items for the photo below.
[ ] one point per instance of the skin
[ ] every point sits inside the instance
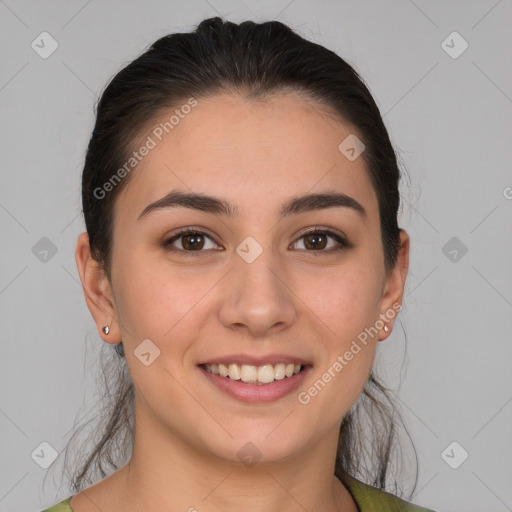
(257, 155)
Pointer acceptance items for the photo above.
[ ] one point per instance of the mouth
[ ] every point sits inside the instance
(252, 374)
(262, 381)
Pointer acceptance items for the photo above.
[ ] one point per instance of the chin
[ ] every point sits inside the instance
(262, 443)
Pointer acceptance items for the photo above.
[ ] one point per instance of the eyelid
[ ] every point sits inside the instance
(321, 229)
(169, 240)
(341, 239)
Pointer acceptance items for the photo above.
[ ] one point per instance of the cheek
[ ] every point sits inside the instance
(345, 299)
(158, 300)
(348, 307)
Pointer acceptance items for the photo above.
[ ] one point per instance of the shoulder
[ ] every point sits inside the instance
(371, 499)
(367, 498)
(63, 506)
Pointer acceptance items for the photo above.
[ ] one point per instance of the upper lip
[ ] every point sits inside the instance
(255, 360)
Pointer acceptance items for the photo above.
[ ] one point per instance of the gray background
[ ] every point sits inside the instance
(450, 119)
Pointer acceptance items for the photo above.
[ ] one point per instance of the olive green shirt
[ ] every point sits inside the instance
(367, 498)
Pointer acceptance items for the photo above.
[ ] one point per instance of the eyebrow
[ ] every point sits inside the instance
(211, 204)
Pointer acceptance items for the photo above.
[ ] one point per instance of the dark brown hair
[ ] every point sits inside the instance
(253, 59)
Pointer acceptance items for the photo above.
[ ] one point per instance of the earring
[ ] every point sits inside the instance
(106, 329)
(386, 328)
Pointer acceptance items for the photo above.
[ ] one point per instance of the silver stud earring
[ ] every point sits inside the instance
(106, 329)
(386, 328)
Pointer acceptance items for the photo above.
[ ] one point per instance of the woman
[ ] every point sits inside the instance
(242, 254)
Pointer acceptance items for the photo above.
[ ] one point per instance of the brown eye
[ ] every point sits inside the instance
(194, 241)
(315, 241)
(318, 241)
(191, 241)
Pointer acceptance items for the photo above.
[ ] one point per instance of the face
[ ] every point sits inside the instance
(253, 289)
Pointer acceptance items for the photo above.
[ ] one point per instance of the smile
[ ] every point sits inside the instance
(251, 374)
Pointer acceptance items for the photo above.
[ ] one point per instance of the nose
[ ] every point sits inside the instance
(257, 297)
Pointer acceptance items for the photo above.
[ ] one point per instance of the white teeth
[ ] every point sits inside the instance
(249, 373)
(234, 372)
(279, 371)
(264, 374)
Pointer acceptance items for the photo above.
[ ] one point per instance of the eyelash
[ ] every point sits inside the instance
(343, 242)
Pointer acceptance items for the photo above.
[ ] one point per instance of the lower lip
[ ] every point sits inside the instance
(257, 392)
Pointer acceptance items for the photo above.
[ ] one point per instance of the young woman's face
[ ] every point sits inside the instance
(250, 287)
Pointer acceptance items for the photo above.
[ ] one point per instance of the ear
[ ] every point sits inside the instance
(391, 301)
(97, 291)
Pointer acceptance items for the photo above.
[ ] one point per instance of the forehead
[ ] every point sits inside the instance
(247, 151)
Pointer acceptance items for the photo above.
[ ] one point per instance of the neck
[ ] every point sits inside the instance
(165, 473)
